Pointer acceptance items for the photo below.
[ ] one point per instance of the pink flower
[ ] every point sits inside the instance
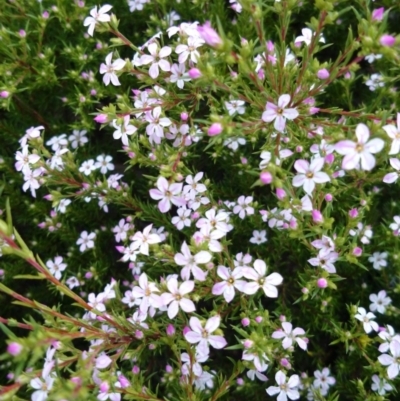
(109, 68)
(279, 113)
(176, 297)
(209, 35)
(362, 151)
(310, 174)
(289, 335)
(14, 349)
(203, 336)
(167, 194)
(392, 177)
(156, 57)
(259, 280)
(190, 263)
(323, 74)
(387, 40)
(215, 129)
(377, 14)
(229, 283)
(194, 73)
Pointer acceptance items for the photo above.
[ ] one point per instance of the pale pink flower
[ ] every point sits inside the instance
(259, 280)
(325, 260)
(289, 335)
(229, 283)
(309, 174)
(177, 297)
(209, 34)
(323, 381)
(56, 267)
(190, 263)
(392, 177)
(393, 361)
(182, 219)
(42, 387)
(394, 134)
(109, 68)
(155, 130)
(122, 131)
(190, 49)
(142, 240)
(285, 389)
(367, 319)
(243, 207)
(97, 16)
(279, 113)
(379, 302)
(202, 336)
(306, 37)
(179, 75)
(361, 151)
(147, 292)
(86, 241)
(156, 57)
(259, 362)
(167, 194)
(24, 159)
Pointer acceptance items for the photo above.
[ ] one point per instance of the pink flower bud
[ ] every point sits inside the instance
(314, 110)
(101, 118)
(248, 343)
(245, 321)
(329, 158)
(123, 381)
(282, 318)
(139, 334)
(322, 283)
(299, 149)
(135, 370)
(270, 46)
(14, 349)
(258, 319)
(266, 177)
(45, 14)
(387, 40)
(328, 197)
(284, 362)
(243, 160)
(104, 387)
(261, 74)
(323, 74)
(293, 224)
(280, 193)
(22, 33)
(215, 129)
(347, 75)
(88, 275)
(93, 92)
(239, 381)
(103, 361)
(317, 216)
(4, 94)
(170, 330)
(194, 73)
(357, 251)
(184, 116)
(377, 14)
(305, 290)
(169, 369)
(209, 34)
(353, 213)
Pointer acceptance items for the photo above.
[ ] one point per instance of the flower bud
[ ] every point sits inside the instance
(104, 387)
(215, 129)
(317, 216)
(387, 40)
(328, 197)
(357, 251)
(280, 193)
(323, 74)
(353, 213)
(194, 73)
(101, 118)
(14, 348)
(184, 116)
(209, 34)
(245, 321)
(4, 94)
(322, 282)
(135, 370)
(258, 319)
(266, 177)
(377, 14)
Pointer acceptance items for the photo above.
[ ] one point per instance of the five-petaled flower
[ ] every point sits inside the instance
(361, 151)
(97, 16)
(279, 113)
(109, 68)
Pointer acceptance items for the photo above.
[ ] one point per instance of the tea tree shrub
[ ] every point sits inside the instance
(215, 211)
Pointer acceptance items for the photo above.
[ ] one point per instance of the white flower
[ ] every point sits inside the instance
(183, 218)
(362, 151)
(104, 163)
(179, 75)
(279, 113)
(289, 335)
(156, 57)
(379, 302)
(259, 363)
(229, 283)
(190, 262)
(285, 389)
(57, 142)
(325, 260)
(372, 57)
(190, 49)
(310, 174)
(394, 134)
(122, 131)
(155, 130)
(375, 81)
(147, 291)
(78, 138)
(392, 177)
(56, 267)
(380, 385)
(366, 318)
(87, 167)
(24, 159)
(143, 240)
(202, 335)
(392, 361)
(235, 106)
(306, 37)
(177, 297)
(267, 283)
(167, 194)
(86, 241)
(323, 381)
(97, 16)
(259, 237)
(42, 387)
(243, 207)
(109, 68)
(396, 225)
